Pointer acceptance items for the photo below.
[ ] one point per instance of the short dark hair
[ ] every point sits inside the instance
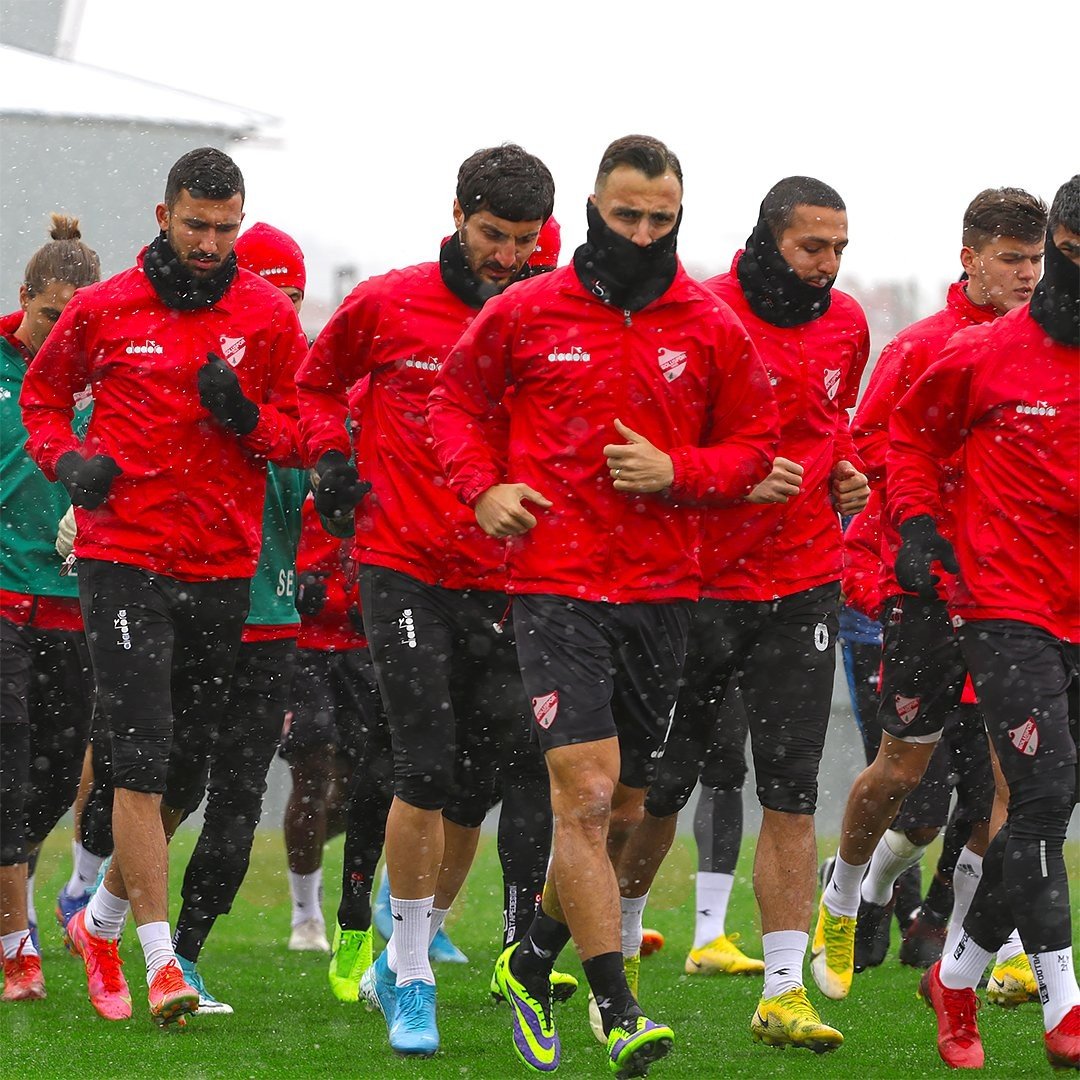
(506, 181)
(778, 207)
(1005, 211)
(642, 152)
(206, 173)
(1065, 209)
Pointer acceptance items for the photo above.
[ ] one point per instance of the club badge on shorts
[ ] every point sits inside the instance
(907, 708)
(1025, 737)
(545, 707)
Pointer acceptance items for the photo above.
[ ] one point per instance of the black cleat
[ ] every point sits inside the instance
(872, 934)
(924, 939)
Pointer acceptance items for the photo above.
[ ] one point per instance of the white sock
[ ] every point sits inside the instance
(892, 856)
(31, 911)
(156, 941)
(841, 895)
(633, 908)
(963, 967)
(306, 892)
(438, 917)
(410, 940)
(1013, 947)
(1056, 977)
(965, 881)
(18, 940)
(712, 892)
(85, 867)
(105, 914)
(785, 951)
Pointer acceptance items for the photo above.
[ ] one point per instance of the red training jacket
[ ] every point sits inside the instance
(682, 372)
(1005, 398)
(190, 499)
(397, 329)
(761, 552)
(901, 362)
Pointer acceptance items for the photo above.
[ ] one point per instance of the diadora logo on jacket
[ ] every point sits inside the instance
(832, 382)
(574, 355)
(672, 364)
(432, 363)
(232, 349)
(1040, 408)
(138, 348)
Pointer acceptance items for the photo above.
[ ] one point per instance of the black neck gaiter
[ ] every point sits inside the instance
(621, 272)
(461, 281)
(773, 290)
(1055, 304)
(176, 286)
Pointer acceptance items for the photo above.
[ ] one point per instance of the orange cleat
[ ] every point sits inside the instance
(23, 980)
(1063, 1043)
(105, 980)
(652, 941)
(958, 1039)
(171, 999)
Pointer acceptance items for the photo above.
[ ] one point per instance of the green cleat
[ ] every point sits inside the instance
(535, 1039)
(350, 957)
(632, 1049)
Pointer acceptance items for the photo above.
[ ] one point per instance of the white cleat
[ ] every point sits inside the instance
(309, 936)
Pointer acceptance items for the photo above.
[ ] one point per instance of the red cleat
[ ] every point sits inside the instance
(958, 1039)
(23, 980)
(170, 996)
(651, 941)
(1063, 1043)
(105, 980)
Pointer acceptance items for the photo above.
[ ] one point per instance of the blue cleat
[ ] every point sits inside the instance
(67, 906)
(381, 918)
(443, 951)
(208, 1004)
(413, 1031)
(378, 988)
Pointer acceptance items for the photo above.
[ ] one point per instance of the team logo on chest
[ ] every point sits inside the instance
(232, 349)
(672, 364)
(832, 382)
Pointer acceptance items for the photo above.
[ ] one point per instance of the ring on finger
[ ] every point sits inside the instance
(617, 471)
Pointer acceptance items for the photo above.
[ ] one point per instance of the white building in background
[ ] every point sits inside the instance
(90, 142)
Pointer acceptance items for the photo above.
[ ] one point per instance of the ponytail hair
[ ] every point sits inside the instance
(65, 258)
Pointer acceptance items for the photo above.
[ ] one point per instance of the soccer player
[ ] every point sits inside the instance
(998, 415)
(431, 581)
(191, 362)
(633, 398)
(923, 670)
(46, 689)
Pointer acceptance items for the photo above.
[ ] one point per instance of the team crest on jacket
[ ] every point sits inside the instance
(832, 382)
(232, 349)
(545, 707)
(907, 708)
(1025, 737)
(672, 364)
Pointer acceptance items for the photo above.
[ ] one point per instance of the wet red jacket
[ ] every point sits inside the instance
(759, 552)
(1006, 399)
(901, 362)
(860, 582)
(189, 502)
(398, 329)
(681, 372)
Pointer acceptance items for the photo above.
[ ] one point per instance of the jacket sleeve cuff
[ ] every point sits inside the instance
(679, 467)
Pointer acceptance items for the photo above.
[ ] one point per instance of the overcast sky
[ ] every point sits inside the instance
(908, 109)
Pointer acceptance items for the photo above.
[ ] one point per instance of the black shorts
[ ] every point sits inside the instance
(596, 671)
(447, 672)
(335, 702)
(783, 653)
(163, 652)
(922, 669)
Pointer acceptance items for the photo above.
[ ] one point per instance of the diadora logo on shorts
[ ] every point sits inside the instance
(545, 707)
(408, 628)
(574, 355)
(1025, 737)
(907, 708)
(432, 363)
(672, 364)
(120, 624)
(832, 382)
(232, 349)
(138, 348)
(1040, 408)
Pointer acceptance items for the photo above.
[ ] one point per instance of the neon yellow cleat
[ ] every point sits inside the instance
(790, 1020)
(632, 967)
(832, 954)
(350, 957)
(1012, 983)
(722, 956)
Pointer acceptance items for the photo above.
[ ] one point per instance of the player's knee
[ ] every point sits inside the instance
(586, 807)
(427, 788)
(788, 794)
(1041, 804)
(669, 794)
(140, 755)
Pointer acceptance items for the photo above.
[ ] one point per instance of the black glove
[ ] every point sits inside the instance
(311, 592)
(356, 617)
(340, 487)
(221, 396)
(87, 479)
(921, 544)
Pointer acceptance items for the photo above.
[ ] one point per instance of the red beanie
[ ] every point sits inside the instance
(548, 245)
(273, 255)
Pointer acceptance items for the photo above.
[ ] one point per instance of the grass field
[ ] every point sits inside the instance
(287, 1024)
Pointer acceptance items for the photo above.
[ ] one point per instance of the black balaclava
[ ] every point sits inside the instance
(461, 281)
(621, 272)
(1055, 303)
(774, 291)
(178, 287)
